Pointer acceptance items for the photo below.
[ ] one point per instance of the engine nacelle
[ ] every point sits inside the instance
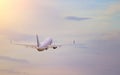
(54, 47)
(40, 49)
(46, 48)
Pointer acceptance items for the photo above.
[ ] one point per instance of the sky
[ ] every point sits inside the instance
(94, 24)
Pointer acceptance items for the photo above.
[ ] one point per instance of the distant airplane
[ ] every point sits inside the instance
(46, 44)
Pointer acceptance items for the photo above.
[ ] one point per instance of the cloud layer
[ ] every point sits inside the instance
(6, 58)
(74, 18)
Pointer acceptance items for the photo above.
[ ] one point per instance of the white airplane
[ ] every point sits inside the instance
(46, 44)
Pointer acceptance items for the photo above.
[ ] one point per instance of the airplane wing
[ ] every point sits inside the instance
(74, 44)
(26, 45)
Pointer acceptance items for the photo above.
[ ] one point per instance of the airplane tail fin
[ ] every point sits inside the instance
(38, 44)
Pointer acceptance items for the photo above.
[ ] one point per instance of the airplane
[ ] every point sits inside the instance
(45, 45)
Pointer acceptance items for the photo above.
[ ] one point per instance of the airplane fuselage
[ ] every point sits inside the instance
(44, 45)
